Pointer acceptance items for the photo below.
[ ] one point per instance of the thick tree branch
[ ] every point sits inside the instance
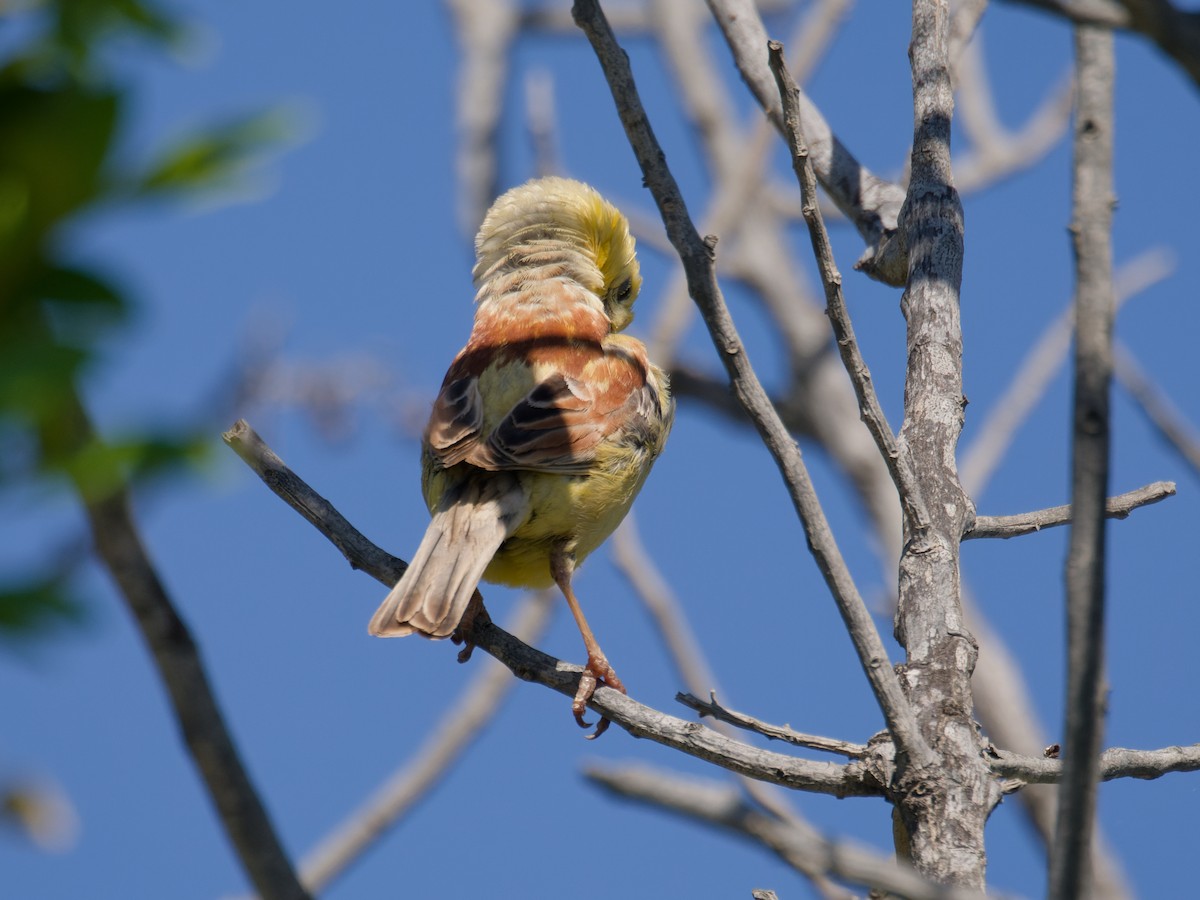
(943, 807)
(119, 545)
(529, 664)
(697, 257)
(724, 808)
(1091, 226)
(1175, 31)
(1113, 763)
(1118, 507)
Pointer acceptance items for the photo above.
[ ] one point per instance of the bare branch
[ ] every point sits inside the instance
(963, 25)
(1158, 408)
(1091, 228)
(697, 257)
(635, 563)
(358, 551)
(1038, 369)
(413, 780)
(1084, 12)
(930, 624)
(784, 733)
(1175, 31)
(814, 35)
(540, 121)
(529, 664)
(724, 808)
(119, 545)
(1114, 763)
(899, 463)
(1118, 507)
(871, 203)
(486, 30)
(996, 152)
(629, 18)
(1006, 711)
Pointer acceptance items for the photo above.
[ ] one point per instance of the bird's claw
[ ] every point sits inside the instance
(475, 615)
(597, 672)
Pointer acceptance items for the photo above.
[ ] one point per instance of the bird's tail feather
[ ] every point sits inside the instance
(467, 530)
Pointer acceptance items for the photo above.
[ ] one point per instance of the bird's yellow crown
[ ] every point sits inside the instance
(565, 224)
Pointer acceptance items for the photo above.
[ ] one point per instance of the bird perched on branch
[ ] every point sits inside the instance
(547, 423)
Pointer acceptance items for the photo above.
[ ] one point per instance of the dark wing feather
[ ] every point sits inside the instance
(454, 424)
(553, 429)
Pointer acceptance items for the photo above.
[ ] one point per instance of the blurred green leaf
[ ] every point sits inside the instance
(53, 146)
(217, 157)
(36, 606)
(70, 35)
(78, 286)
(36, 372)
(59, 115)
(79, 304)
(102, 467)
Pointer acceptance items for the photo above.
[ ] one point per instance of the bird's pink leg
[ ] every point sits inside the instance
(598, 670)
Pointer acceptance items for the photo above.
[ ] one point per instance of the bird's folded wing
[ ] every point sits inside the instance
(558, 427)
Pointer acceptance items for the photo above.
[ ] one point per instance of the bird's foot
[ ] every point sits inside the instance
(475, 616)
(595, 673)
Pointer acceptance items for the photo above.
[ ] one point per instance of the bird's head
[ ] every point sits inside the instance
(558, 221)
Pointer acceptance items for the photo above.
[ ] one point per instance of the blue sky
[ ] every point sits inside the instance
(349, 248)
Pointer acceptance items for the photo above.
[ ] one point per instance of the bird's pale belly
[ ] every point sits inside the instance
(580, 511)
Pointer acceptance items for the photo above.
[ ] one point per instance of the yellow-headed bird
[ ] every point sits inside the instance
(547, 423)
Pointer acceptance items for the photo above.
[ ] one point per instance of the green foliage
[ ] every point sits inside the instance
(216, 157)
(60, 120)
(34, 606)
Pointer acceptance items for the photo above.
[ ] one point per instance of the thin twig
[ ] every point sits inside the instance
(711, 707)
(697, 257)
(814, 35)
(354, 546)
(1157, 407)
(1118, 507)
(899, 463)
(996, 152)
(871, 203)
(724, 808)
(632, 561)
(529, 664)
(1037, 370)
(635, 563)
(1006, 711)
(1091, 227)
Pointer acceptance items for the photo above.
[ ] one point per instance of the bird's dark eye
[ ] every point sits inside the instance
(625, 291)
